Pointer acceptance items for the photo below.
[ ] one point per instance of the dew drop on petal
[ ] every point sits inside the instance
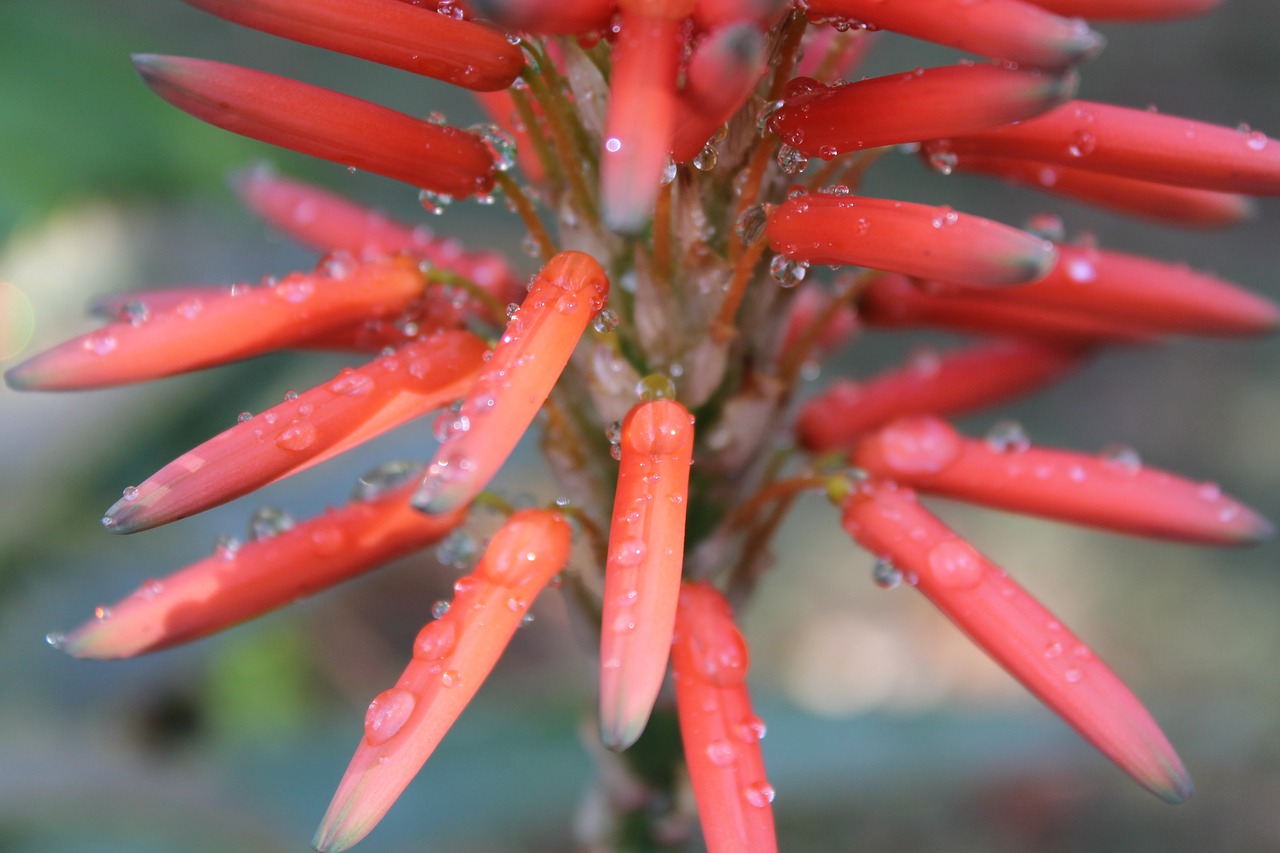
(885, 574)
(451, 678)
(436, 640)
(759, 794)
(298, 435)
(721, 753)
(387, 714)
(955, 564)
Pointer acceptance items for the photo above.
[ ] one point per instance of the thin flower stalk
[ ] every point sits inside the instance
(1017, 632)
(720, 731)
(323, 123)
(642, 575)
(839, 228)
(1136, 144)
(389, 32)
(1113, 490)
(946, 383)
(304, 430)
(284, 561)
(452, 656)
(1010, 30)
(823, 121)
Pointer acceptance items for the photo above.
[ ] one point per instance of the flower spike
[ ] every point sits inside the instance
(1187, 207)
(1010, 30)
(452, 656)
(169, 332)
(1145, 295)
(941, 384)
(897, 302)
(1115, 492)
(241, 582)
(824, 121)
(330, 223)
(389, 32)
(1128, 10)
(640, 121)
(323, 124)
(914, 239)
(306, 429)
(1136, 144)
(516, 380)
(1017, 632)
(642, 575)
(721, 734)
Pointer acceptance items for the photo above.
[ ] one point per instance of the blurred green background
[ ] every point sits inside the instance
(886, 731)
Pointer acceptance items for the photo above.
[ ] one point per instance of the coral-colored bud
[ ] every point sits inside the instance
(932, 384)
(1146, 295)
(329, 222)
(721, 733)
(824, 121)
(914, 239)
(1017, 632)
(323, 123)
(640, 121)
(713, 14)
(452, 656)
(1136, 144)
(1114, 491)
(1183, 206)
(169, 332)
(642, 574)
(391, 32)
(304, 430)
(1001, 29)
(516, 380)
(1128, 10)
(242, 581)
(548, 17)
(722, 73)
(896, 302)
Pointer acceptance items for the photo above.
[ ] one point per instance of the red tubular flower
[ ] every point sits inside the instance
(896, 302)
(516, 381)
(1184, 206)
(1002, 29)
(390, 32)
(241, 582)
(452, 656)
(722, 73)
(1115, 492)
(1128, 10)
(169, 332)
(549, 17)
(712, 14)
(329, 222)
(1017, 632)
(640, 122)
(1145, 295)
(323, 124)
(823, 121)
(721, 734)
(1136, 144)
(304, 430)
(642, 576)
(942, 384)
(914, 239)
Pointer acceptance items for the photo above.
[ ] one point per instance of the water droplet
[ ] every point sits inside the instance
(943, 162)
(56, 639)
(656, 386)
(451, 678)
(885, 574)
(630, 553)
(500, 144)
(759, 794)
(1007, 437)
(706, 159)
(100, 343)
(435, 641)
(298, 435)
(269, 521)
(130, 493)
(226, 548)
(101, 614)
(919, 445)
(385, 478)
(134, 313)
(945, 217)
(1122, 459)
(721, 753)
(387, 714)
(750, 730)
(606, 321)
(351, 384)
(1082, 144)
(457, 550)
(956, 565)
(787, 272)
(791, 161)
(244, 416)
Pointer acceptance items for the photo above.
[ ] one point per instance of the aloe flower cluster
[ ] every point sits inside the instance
(685, 170)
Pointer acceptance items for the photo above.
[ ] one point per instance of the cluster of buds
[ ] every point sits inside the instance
(684, 163)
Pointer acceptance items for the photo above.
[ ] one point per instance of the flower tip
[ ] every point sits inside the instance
(23, 377)
(619, 734)
(1178, 789)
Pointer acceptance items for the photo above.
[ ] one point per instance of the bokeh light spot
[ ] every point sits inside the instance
(17, 320)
